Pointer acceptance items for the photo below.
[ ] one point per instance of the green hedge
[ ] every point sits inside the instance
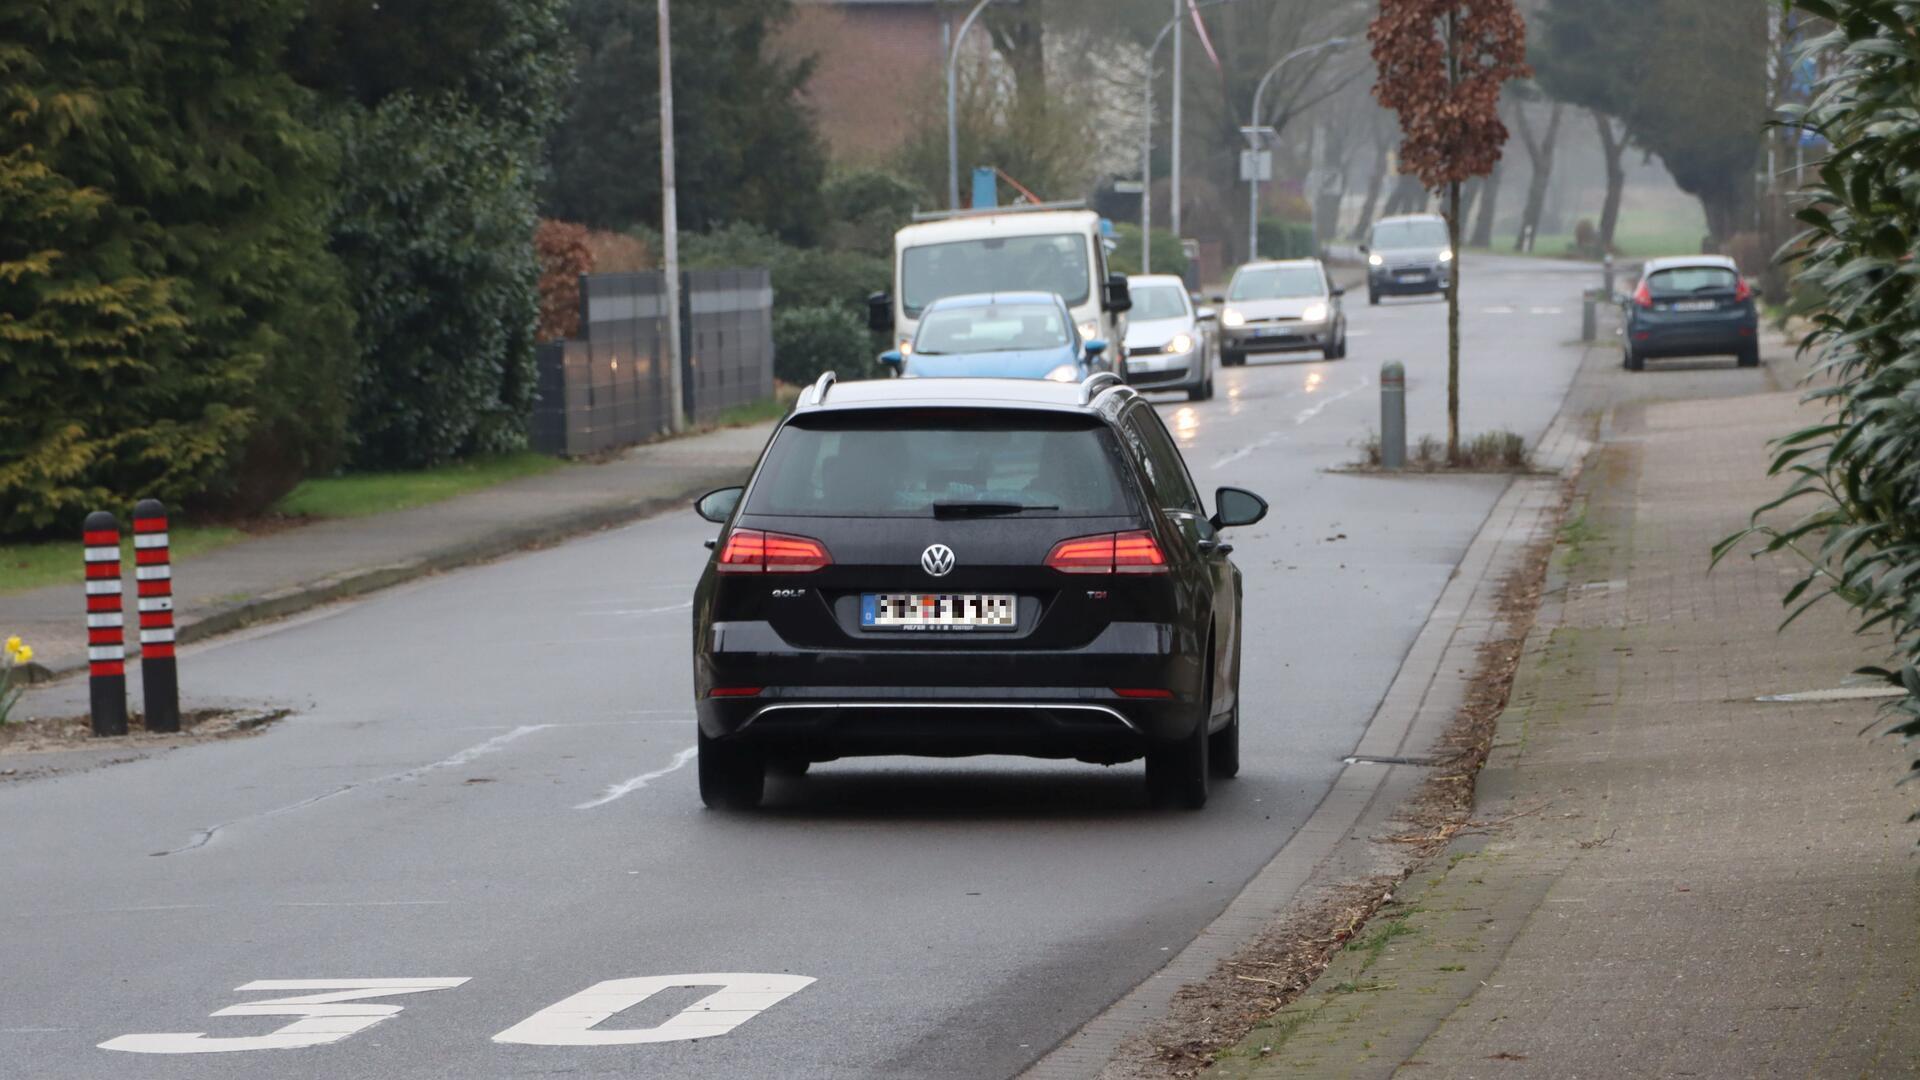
(810, 340)
(1281, 239)
(1167, 256)
(435, 227)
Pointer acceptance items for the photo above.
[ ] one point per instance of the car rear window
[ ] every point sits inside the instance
(899, 463)
(1691, 279)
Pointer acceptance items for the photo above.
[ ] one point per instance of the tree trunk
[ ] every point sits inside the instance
(1541, 153)
(1489, 203)
(1612, 146)
(1375, 183)
(1453, 327)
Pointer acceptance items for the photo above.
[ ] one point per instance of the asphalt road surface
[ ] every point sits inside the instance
(483, 808)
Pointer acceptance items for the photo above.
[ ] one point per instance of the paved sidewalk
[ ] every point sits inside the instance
(1677, 879)
(278, 575)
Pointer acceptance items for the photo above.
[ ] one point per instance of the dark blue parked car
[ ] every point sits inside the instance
(1014, 335)
(1694, 305)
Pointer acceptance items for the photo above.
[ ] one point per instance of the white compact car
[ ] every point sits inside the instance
(1169, 341)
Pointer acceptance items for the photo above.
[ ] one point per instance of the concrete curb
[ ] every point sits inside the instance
(1334, 843)
(297, 599)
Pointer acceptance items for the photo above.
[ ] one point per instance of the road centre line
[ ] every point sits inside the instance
(628, 787)
(204, 836)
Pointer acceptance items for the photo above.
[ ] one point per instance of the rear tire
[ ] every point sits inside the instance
(1373, 298)
(1203, 392)
(1223, 749)
(792, 768)
(732, 776)
(1229, 358)
(1178, 773)
(1749, 356)
(1634, 361)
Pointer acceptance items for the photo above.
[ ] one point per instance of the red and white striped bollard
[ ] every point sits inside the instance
(106, 633)
(153, 573)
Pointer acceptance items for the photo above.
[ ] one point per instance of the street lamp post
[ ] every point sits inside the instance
(670, 230)
(1146, 137)
(953, 116)
(1253, 130)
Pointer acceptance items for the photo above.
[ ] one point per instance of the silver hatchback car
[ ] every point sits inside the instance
(1286, 306)
(1169, 341)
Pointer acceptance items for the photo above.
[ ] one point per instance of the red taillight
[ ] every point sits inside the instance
(1141, 692)
(734, 691)
(1137, 553)
(1643, 295)
(751, 551)
(1742, 292)
(1109, 553)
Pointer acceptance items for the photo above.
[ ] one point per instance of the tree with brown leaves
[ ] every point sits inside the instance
(1441, 65)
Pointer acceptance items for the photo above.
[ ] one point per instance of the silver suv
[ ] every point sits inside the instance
(1408, 255)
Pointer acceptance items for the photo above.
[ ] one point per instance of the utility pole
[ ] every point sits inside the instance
(1146, 139)
(953, 110)
(670, 227)
(1178, 36)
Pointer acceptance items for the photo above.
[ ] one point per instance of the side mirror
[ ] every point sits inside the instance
(717, 506)
(1095, 347)
(1206, 314)
(894, 359)
(1236, 506)
(1364, 250)
(1219, 298)
(1119, 296)
(1339, 290)
(880, 312)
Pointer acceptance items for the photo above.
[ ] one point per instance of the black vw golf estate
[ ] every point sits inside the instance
(947, 567)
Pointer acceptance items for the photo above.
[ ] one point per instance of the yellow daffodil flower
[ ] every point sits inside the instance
(13, 644)
(23, 654)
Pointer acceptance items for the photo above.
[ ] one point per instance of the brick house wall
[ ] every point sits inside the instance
(876, 61)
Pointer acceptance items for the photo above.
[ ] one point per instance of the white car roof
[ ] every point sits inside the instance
(1156, 279)
(1673, 262)
(1027, 223)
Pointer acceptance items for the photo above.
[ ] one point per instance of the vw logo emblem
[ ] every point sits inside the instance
(937, 560)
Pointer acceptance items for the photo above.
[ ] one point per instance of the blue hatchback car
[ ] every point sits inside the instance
(1014, 335)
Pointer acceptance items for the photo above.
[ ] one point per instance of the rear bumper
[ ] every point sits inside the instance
(1705, 337)
(1037, 702)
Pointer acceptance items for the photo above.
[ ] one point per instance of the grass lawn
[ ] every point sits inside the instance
(360, 494)
(55, 562)
(58, 562)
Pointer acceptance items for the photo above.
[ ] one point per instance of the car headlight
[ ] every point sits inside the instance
(1232, 318)
(1180, 343)
(1064, 373)
(1314, 313)
(1446, 255)
(906, 347)
(1090, 330)
(1376, 260)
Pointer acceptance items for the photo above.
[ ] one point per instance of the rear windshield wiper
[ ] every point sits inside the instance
(971, 506)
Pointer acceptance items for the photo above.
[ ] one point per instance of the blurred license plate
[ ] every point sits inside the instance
(936, 611)
(1415, 276)
(1695, 305)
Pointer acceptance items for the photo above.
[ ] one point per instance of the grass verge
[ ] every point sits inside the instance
(57, 562)
(360, 494)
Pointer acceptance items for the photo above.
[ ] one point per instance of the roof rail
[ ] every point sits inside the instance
(983, 211)
(1097, 382)
(821, 386)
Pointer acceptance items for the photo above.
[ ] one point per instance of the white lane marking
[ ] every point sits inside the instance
(363, 903)
(324, 1016)
(201, 838)
(686, 606)
(1498, 309)
(1358, 333)
(736, 998)
(1307, 414)
(1299, 418)
(1543, 311)
(628, 787)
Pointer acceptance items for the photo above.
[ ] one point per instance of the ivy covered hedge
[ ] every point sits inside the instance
(1855, 477)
